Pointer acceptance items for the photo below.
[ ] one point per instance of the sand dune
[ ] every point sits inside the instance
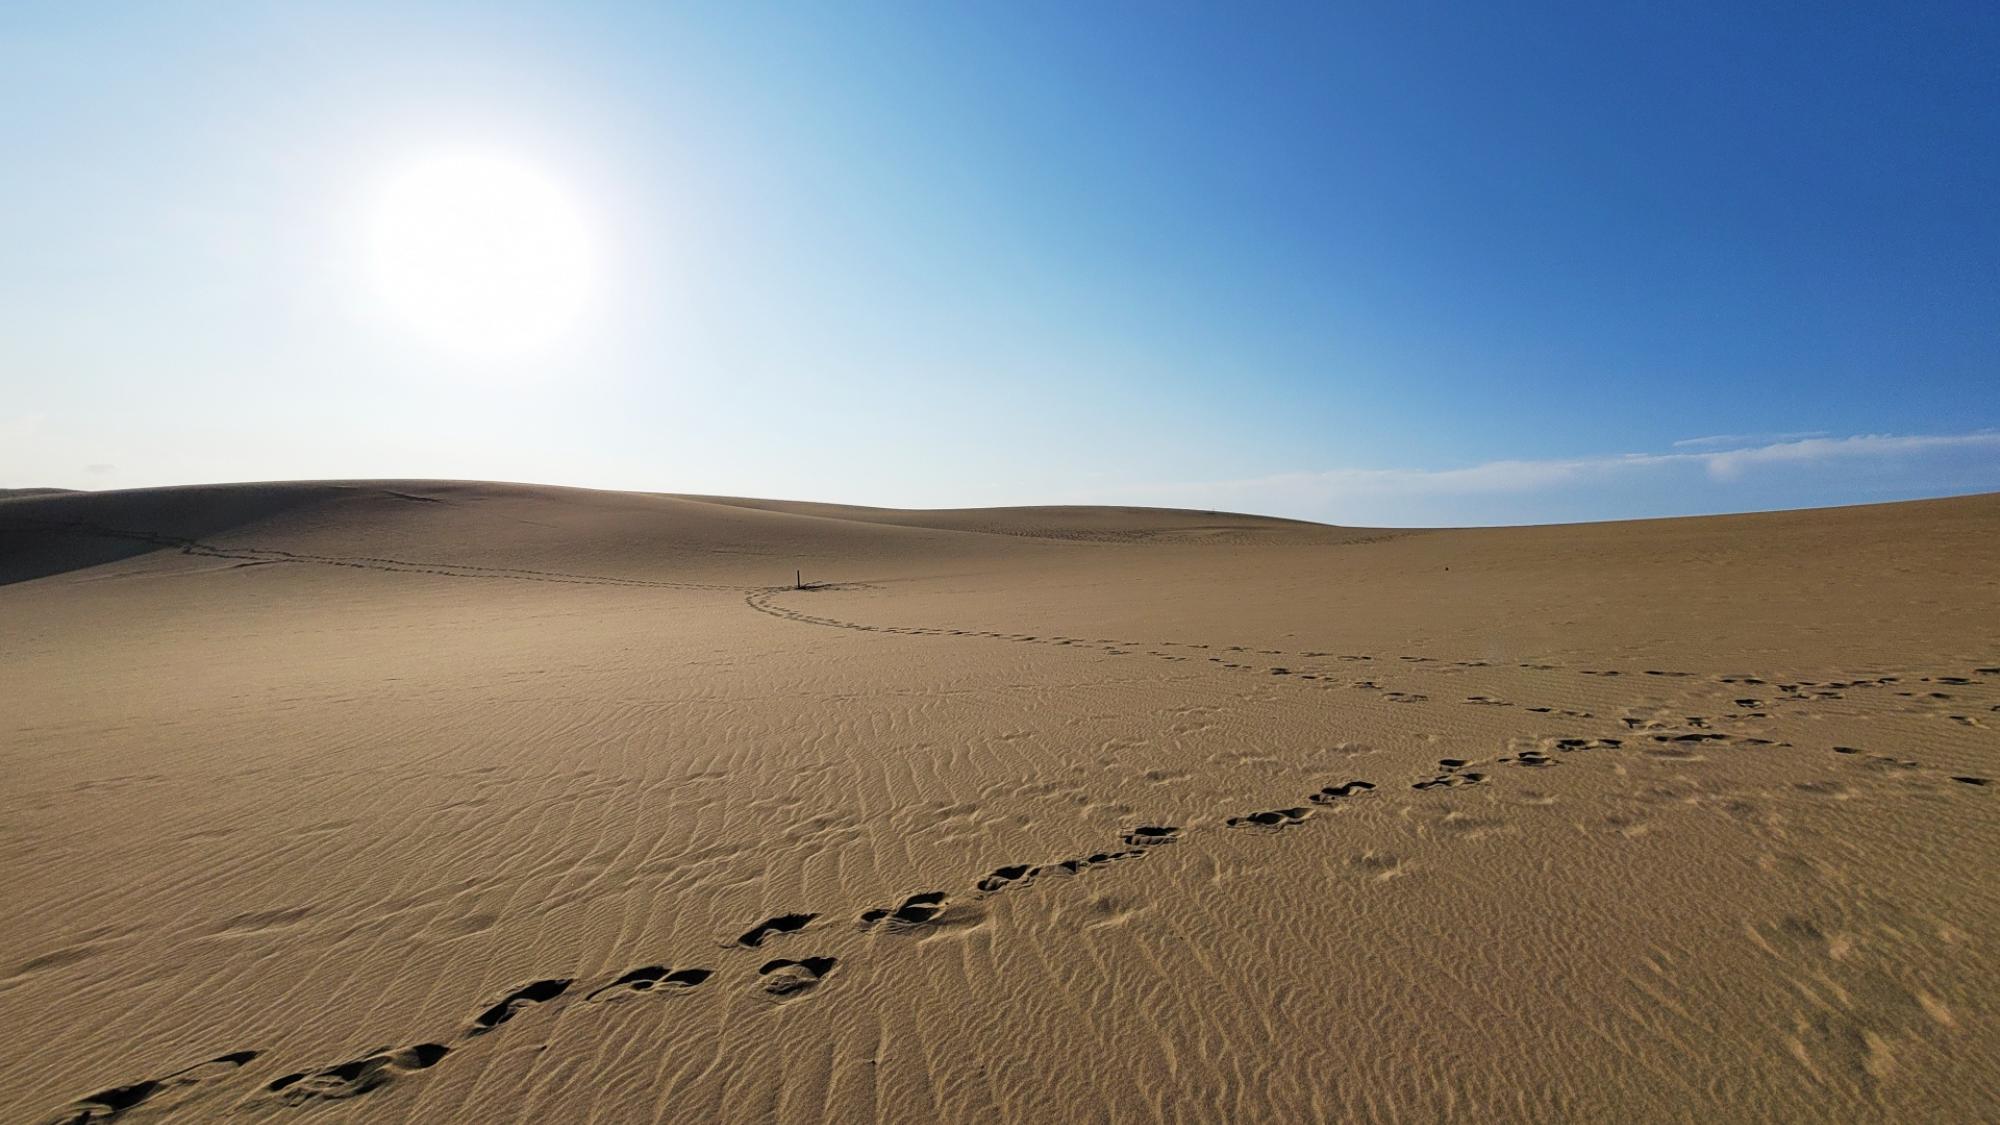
(444, 801)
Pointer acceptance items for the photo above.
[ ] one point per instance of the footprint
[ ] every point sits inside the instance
(1332, 793)
(1964, 779)
(1533, 759)
(1380, 866)
(1076, 866)
(786, 979)
(649, 979)
(510, 1005)
(109, 1105)
(782, 924)
(1568, 744)
(357, 1077)
(916, 910)
(1147, 835)
(1275, 819)
(1449, 780)
(1630, 827)
(1004, 876)
(1453, 774)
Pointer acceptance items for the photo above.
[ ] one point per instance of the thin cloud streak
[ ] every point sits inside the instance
(1714, 440)
(1339, 492)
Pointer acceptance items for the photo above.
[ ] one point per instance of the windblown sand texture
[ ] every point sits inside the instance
(422, 801)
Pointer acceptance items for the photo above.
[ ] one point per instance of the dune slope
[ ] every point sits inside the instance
(448, 801)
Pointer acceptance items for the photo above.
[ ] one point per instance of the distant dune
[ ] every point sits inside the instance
(453, 801)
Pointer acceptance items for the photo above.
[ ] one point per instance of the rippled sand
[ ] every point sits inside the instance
(465, 802)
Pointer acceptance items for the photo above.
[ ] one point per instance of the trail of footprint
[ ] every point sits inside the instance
(359, 1076)
(760, 600)
(109, 1105)
(1022, 874)
(789, 978)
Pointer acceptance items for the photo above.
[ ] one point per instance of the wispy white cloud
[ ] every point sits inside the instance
(1731, 464)
(1714, 441)
(1400, 493)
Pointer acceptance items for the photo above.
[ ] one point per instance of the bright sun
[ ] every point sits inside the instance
(482, 255)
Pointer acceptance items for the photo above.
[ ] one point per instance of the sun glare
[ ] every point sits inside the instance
(481, 255)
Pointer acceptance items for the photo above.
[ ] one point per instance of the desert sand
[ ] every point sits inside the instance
(452, 802)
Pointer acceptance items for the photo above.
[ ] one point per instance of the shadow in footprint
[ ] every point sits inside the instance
(916, 910)
(537, 992)
(1454, 774)
(649, 979)
(1006, 876)
(782, 924)
(109, 1105)
(1275, 819)
(357, 1077)
(1147, 835)
(1095, 859)
(1333, 793)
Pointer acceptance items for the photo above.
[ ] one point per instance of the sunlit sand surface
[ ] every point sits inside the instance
(463, 802)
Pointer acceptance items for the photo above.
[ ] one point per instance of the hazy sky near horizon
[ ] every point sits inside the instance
(1378, 264)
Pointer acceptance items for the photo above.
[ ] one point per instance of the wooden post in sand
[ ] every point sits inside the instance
(798, 580)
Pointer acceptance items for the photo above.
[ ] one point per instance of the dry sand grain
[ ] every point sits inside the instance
(463, 802)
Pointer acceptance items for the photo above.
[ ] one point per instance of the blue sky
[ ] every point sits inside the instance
(1386, 264)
